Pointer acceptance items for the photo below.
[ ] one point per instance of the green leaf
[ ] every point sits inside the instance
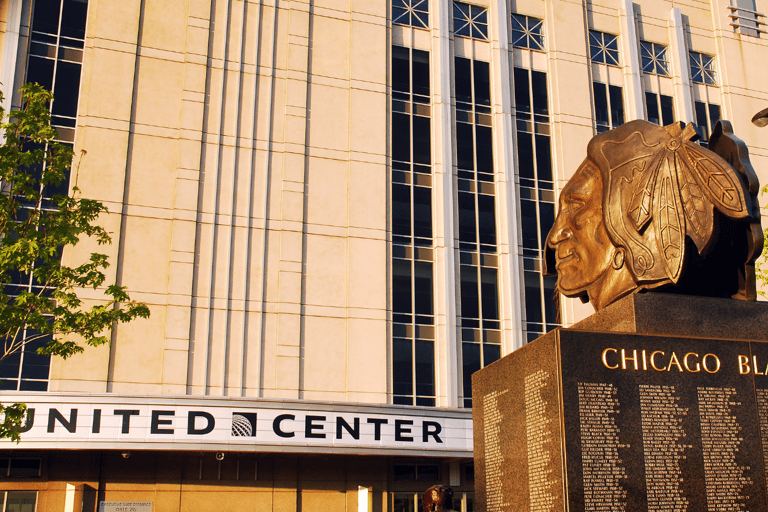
(36, 227)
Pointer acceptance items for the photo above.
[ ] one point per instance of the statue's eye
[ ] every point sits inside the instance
(573, 205)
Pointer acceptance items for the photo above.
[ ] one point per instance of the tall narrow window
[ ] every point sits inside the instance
(609, 106)
(55, 57)
(478, 254)
(707, 115)
(537, 197)
(413, 352)
(704, 91)
(660, 108)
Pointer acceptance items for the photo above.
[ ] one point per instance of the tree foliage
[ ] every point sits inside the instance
(39, 218)
(761, 265)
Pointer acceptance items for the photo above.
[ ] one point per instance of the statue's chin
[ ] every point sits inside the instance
(607, 288)
(571, 285)
(613, 285)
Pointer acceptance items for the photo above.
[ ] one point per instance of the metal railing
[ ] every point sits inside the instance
(747, 21)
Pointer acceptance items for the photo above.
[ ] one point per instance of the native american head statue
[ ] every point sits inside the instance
(651, 209)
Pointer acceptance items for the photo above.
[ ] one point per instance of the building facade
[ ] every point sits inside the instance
(336, 211)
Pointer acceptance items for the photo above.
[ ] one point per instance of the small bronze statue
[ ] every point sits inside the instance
(649, 208)
(438, 498)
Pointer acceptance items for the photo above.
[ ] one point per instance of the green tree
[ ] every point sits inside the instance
(39, 218)
(761, 266)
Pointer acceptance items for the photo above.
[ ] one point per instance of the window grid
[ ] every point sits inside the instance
(603, 48)
(527, 32)
(26, 370)
(470, 21)
(653, 58)
(478, 259)
(707, 115)
(660, 108)
(537, 197)
(54, 60)
(413, 331)
(413, 13)
(609, 106)
(702, 68)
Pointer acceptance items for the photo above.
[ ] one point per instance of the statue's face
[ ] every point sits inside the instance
(583, 250)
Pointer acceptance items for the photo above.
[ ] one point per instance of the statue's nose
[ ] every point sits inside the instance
(559, 233)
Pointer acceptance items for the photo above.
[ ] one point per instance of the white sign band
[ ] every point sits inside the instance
(176, 423)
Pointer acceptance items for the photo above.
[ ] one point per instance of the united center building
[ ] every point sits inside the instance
(336, 212)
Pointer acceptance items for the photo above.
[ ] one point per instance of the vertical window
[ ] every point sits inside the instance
(537, 197)
(478, 258)
(707, 115)
(702, 68)
(527, 32)
(414, 13)
(470, 21)
(659, 108)
(55, 57)
(609, 106)
(413, 353)
(653, 58)
(603, 48)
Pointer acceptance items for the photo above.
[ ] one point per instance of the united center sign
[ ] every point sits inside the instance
(78, 421)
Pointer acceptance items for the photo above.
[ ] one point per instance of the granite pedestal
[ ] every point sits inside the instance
(658, 402)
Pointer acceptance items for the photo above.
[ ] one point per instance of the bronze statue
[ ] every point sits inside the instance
(649, 208)
(438, 498)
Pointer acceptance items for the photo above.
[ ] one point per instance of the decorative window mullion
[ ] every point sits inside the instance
(653, 58)
(527, 32)
(470, 21)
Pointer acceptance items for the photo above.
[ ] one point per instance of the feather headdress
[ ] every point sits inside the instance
(660, 187)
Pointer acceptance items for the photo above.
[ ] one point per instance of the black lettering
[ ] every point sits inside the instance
(193, 415)
(309, 426)
(55, 415)
(377, 423)
(353, 431)
(156, 422)
(400, 429)
(126, 414)
(276, 425)
(96, 425)
(30, 421)
(426, 431)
